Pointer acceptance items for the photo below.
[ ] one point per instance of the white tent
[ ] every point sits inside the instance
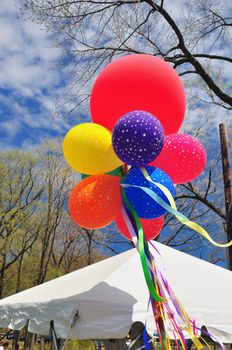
(110, 295)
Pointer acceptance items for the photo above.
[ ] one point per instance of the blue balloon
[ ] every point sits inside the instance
(144, 205)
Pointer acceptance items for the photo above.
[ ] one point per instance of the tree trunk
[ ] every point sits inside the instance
(227, 187)
(18, 282)
(2, 273)
(89, 249)
(89, 234)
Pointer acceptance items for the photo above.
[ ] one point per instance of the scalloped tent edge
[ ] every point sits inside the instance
(111, 295)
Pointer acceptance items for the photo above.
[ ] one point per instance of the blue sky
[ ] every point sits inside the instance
(30, 82)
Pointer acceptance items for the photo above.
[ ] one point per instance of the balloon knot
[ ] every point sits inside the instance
(125, 169)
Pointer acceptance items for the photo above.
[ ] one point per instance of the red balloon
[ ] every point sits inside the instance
(138, 82)
(151, 227)
(182, 157)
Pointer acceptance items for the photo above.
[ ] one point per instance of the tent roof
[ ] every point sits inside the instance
(110, 295)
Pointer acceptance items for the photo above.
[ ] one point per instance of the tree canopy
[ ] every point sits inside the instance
(195, 37)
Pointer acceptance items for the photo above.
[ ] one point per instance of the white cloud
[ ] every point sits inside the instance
(28, 71)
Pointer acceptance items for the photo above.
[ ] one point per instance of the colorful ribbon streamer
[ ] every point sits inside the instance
(142, 245)
(173, 210)
(167, 310)
(162, 298)
(161, 305)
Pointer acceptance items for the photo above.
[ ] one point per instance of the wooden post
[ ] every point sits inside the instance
(227, 187)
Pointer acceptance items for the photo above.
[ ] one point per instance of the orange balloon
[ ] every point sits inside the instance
(95, 201)
(151, 227)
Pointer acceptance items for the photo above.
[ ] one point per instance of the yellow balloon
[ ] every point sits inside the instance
(88, 149)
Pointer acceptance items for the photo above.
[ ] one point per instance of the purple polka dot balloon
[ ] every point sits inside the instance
(138, 138)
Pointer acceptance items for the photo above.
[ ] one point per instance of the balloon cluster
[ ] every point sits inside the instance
(130, 157)
(137, 106)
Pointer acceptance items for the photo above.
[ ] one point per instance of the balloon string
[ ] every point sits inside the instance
(141, 247)
(172, 208)
(166, 305)
(144, 252)
(159, 291)
(163, 284)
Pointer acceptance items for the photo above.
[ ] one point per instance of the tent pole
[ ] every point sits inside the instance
(26, 339)
(31, 341)
(15, 340)
(54, 337)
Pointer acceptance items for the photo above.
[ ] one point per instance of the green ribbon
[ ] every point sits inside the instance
(142, 246)
(116, 172)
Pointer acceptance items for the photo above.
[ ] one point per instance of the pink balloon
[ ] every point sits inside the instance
(183, 158)
(151, 227)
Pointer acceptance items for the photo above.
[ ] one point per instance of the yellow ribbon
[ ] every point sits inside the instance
(208, 346)
(189, 329)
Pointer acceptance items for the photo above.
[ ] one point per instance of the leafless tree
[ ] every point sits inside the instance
(194, 37)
